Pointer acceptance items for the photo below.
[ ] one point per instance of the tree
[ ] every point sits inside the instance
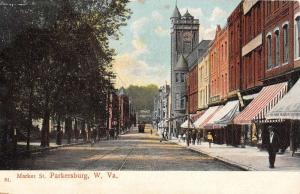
(63, 61)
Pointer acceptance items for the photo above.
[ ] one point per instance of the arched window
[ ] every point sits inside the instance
(286, 43)
(297, 36)
(269, 52)
(277, 47)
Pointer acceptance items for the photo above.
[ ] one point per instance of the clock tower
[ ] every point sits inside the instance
(184, 39)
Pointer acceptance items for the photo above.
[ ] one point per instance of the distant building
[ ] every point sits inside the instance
(161, 108)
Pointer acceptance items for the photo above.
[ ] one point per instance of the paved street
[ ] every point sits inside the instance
(133, 151)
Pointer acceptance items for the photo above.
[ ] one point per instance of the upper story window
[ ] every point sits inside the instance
(182, 77)
(177, 77)
(187, 47)
(225, 50)
(177, 101)
(277, 47)
(269, 51)
(286, 43)
(297, 36)
(182, 103)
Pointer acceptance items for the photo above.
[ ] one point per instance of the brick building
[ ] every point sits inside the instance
(219, 66)
(252, 46)
(279, 30)
(192, 75)
(235, 49)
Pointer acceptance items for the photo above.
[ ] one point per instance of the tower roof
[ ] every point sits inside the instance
(122, 91)
(187, 14)
(176, 13)
(181, 64)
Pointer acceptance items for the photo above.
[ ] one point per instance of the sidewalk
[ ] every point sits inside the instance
(249, 158)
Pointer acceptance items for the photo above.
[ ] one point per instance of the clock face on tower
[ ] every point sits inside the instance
(187, 36)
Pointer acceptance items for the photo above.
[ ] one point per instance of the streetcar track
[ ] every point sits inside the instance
(97, 160)
(125, 159)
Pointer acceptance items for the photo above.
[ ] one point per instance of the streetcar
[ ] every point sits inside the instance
(141, 127)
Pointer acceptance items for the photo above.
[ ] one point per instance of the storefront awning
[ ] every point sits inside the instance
(206, 116)
(289, 106)
(266, 99)
(223, 116)
(193, 118)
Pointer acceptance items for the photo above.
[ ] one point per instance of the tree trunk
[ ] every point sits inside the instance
(29, 122)
(69, 129)
(83, 132)
(58, 132)
(89, 132)
(76, 129)
(45, 127)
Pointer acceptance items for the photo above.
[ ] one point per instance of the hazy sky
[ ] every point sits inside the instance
(144, 49)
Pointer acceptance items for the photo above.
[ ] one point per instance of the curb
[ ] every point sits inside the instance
(40, 150)
(232, 163)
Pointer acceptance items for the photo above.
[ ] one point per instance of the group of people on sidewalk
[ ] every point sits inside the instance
(272, 143)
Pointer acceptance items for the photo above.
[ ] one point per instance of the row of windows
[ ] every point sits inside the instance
(203, 96)
(203, 72)
(274, 54)
(224, 85)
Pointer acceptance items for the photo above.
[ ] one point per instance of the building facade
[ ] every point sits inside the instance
(192, 76)
(235, 50)
(219, 67)
(161, 108)
(184, 39)
(279, 34)
(203, 81)
(252, 46)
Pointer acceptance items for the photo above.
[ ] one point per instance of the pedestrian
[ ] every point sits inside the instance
(151, 131)
(188, 137)
(198, 138)
(209, 139)
(183, 137)
(194, 136)
(179, 138)
(272, 145)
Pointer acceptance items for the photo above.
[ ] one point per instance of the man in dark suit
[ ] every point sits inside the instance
(273, 145)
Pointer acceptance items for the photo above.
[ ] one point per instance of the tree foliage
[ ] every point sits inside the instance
(143, 96)
(59, 61)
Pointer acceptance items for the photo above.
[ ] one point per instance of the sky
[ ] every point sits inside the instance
(143, 51)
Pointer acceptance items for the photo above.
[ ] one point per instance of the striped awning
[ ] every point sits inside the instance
(266, 99)
(193, 118)
(206, 116)
(289, 106)
(223, 116)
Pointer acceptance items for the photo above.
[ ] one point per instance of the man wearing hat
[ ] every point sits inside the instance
(272, 145)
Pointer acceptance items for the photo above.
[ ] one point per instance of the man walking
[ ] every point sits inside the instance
(273, 146)
(210, 139)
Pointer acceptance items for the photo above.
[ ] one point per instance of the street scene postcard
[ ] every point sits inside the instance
(149, 96)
